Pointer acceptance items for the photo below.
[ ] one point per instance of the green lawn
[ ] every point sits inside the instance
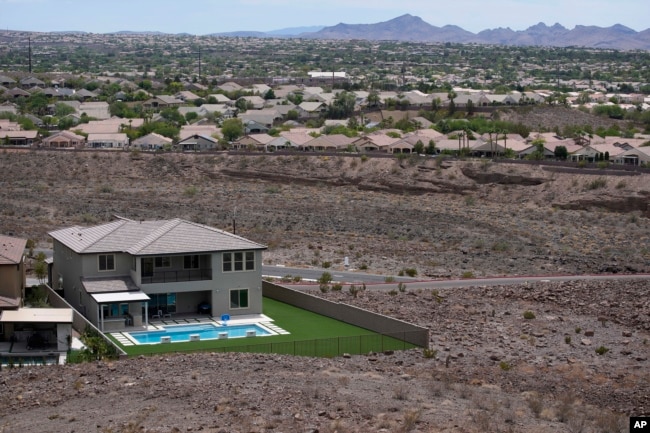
(309, 334)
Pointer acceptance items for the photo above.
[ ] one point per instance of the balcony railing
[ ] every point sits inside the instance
(178, 276)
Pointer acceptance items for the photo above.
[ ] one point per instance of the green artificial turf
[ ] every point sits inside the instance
(310, 334)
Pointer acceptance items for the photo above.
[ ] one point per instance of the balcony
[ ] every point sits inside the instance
(177, 276)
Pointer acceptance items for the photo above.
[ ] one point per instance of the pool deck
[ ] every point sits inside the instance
(158, 324)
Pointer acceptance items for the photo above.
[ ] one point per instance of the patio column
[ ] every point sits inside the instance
(146, 315)
(100, 313)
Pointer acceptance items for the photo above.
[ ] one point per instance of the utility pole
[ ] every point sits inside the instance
(30, 54)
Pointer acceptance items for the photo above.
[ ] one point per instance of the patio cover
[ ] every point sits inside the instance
(37, 315)
(108, 298)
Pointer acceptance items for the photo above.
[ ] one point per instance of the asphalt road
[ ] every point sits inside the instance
(378, 282)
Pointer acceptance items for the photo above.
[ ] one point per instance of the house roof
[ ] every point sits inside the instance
(11, 250)
(37, 315)
(143, 238)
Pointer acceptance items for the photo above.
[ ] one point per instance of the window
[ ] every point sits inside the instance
(238, 299)
(163, 262)
(239, 261)
(191, 262)
(107, 262)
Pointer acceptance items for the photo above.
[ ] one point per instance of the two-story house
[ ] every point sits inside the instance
(124, 272)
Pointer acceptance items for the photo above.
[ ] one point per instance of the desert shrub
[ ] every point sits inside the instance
(411, 272)
(327, 265)
(535, 404)
(325, 278)
(337, 287)
(430, 353)
(401, 287)
(324, 288)
(468, 274)
(505, 366)
(602, 350)
(529, 315)
(601, 182)
(389, 279)
(393, 292)
(567, 339)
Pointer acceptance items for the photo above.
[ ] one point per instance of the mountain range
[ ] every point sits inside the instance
(411, 28)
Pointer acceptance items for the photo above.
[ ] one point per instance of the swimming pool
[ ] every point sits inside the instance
(205, 331)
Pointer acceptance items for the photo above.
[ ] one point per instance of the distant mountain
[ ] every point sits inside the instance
(411, 28)
(293, 31)
(242, 34)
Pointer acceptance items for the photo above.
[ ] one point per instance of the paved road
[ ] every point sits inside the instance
(377, 282)
(313, 274)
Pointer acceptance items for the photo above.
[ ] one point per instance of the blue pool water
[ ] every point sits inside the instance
(205, 331)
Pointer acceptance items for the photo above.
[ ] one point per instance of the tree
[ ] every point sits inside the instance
(418, 147)
(342, 106)
(431, 148)
(270, 94)
(232, 129)
(561, 152)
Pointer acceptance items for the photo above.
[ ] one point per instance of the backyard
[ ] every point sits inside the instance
(310, 334)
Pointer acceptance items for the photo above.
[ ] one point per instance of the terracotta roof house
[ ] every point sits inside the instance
(121, 273)
(253, 102)
(64, 139)
(221, 98)
(634, 156)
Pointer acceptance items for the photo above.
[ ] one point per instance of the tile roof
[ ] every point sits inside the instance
(11, 250)
(174, 236)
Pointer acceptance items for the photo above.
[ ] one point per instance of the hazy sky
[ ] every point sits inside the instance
(214, 16)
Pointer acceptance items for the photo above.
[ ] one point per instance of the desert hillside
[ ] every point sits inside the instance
(444, 218)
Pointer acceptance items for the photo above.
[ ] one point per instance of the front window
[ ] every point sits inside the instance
(238, 299)
(239, 261)
(107, 262)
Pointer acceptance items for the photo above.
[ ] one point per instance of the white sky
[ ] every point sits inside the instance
(214, 16)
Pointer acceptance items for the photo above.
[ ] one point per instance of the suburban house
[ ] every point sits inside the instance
(152, 141)
(117, 140)
(124, 272)
(27, 332)
(197, 143)
(63, 139)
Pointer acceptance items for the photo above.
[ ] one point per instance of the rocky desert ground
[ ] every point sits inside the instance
(578, 363)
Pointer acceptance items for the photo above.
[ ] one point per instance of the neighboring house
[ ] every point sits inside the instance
(311, 109)
(634, 157)
(229, 87)
(64, 139)
(253, 102)
(7, 81)
(97, 110)
(31, 82)
(152, 141)
(120, 273)
(12, 272)
(27, 332)
(118, 140)
(197, 143)
(162, 101)
(18, 138)
(253, 142)
(186, 96)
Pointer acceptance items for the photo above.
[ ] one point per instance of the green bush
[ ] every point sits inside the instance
(325, 278)
(411, 272)
(528, 315)
(602, 350)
